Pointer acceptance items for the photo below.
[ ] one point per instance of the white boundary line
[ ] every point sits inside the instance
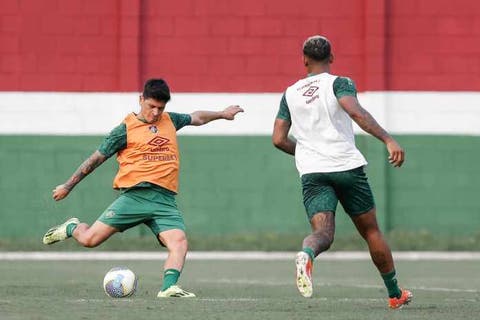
(231, 255)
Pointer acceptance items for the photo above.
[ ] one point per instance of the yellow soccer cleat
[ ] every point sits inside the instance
(175, 292)
(58, 233)
(304, 274)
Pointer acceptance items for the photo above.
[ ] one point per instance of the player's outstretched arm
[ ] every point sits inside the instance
(280, 137)
(96, 159)
(365, 121)
(200, 118)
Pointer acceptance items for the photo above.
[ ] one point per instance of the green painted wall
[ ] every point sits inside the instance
(439, 188)
(242, 185)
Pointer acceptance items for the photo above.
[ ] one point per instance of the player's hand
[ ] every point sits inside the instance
(230, 112)
(60, 192)
(396, 153)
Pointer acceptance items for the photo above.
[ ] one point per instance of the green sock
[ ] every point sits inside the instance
(310, 252)
(70, 228)
(170, 277)
(390, 281)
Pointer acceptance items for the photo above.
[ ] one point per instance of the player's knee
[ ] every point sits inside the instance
(372, 234)
(178, 245)
(183, 245)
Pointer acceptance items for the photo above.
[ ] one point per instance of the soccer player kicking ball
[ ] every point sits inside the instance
(320, 109)
(148, 158)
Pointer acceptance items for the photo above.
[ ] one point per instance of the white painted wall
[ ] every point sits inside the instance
(63, 113)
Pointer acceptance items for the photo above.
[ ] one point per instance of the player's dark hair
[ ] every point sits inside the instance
(317, 48)
(156, 89)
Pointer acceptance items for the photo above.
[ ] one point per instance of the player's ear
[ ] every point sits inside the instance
(330, 60)
(140, 98)
(305, 61)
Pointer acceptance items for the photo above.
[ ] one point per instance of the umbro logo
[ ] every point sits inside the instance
(109, 214)
(158, 141)
(158, 144)
(310, 91)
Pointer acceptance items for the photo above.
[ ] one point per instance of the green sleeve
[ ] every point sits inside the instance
(283, 112)
(180, 120)
(115, 141)
(344, 86)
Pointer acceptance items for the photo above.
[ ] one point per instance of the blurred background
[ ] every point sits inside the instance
(70, 70)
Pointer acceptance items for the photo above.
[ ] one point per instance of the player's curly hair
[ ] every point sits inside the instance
(156, 89)
(317, 48)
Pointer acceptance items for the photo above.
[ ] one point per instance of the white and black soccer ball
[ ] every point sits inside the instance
(120, 282)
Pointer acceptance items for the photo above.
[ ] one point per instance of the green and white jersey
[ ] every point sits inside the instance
(323, 130)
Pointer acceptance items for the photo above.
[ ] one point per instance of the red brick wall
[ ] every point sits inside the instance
(235, 46)
(437, 47)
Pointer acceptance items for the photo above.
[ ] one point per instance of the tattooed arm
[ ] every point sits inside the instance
(96, 159)
(365, 121)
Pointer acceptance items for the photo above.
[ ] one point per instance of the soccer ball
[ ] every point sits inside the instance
(120, 282)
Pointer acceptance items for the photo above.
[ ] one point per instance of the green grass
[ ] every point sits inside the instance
(238, 290)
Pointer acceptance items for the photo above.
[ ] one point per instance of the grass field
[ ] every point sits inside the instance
(238, 290)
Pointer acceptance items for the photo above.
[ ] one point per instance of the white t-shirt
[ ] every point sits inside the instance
(323, 130)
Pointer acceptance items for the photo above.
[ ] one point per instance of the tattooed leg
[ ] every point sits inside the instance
(323, 230)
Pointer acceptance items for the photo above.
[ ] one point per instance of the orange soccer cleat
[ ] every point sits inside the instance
(397, 303)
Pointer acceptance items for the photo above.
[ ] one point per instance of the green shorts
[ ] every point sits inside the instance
(322, 191)
(158, 210)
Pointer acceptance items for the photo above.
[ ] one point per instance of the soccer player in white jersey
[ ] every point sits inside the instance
(319, 109)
